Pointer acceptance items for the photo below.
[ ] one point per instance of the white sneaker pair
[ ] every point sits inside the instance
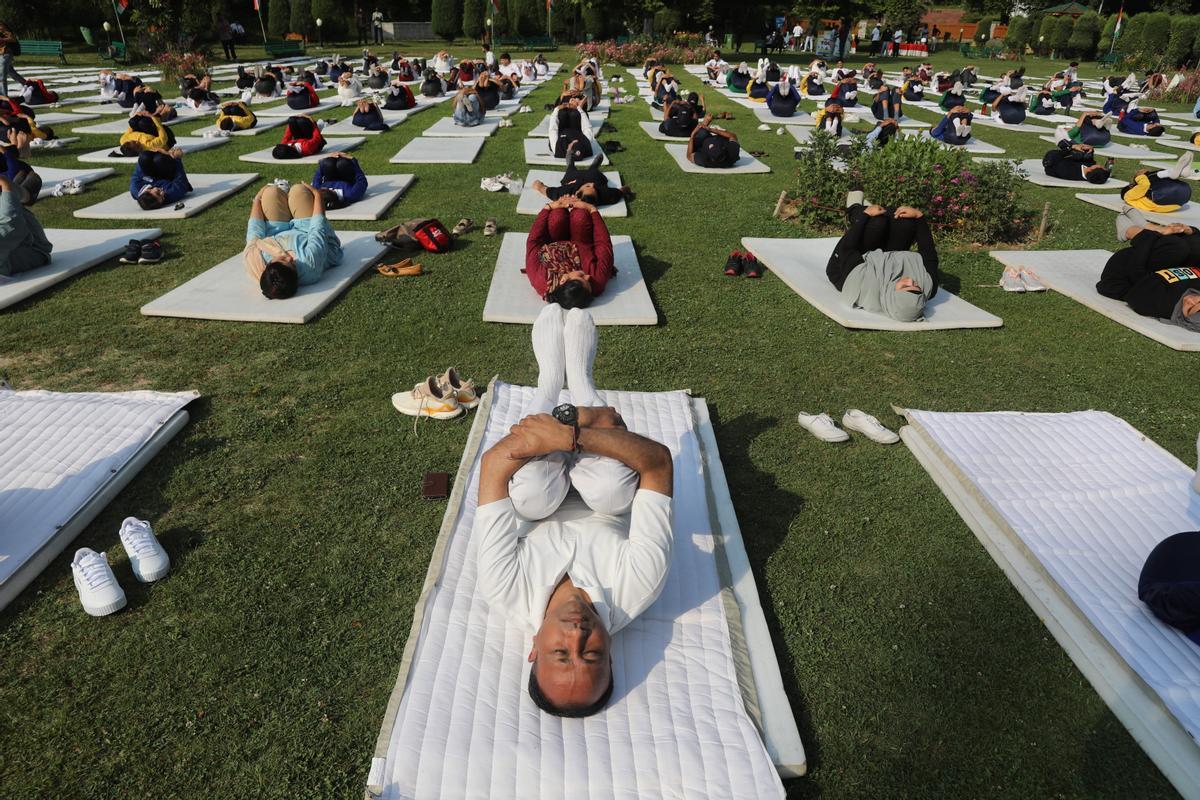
(1021, 279)
(69, 186)
(764, 127)
(824, 428)
(99, 592)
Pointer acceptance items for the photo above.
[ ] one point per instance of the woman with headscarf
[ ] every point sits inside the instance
(873, 267)
(1158, 275)
(569, 254)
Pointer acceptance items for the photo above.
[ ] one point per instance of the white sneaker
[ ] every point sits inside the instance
(1010, 280)
(150, 562)
(779, 131)
(428, 399)
(1031, 280)
(99, 592)
(823, 427)
(868, 426)
(283, 184)
(491, 185)
(764, 127)
(37, 144)
(1184, 164)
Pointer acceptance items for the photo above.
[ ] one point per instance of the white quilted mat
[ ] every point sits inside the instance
(537, 151)
(626, 300)
(119, 126)
(227, 292)
(1070, 506)
(346, 127)
(382, 194)
(52, 176)
(531, 201)
(1074, 273)
(461, 724)
(651, 129)
(65, 456)
(1188, 214)
(284, 110)
(800, 117)
(446, 127)
(208, 189)
(746, 163)
(800, 263)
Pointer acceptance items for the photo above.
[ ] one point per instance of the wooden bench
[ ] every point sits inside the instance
(43, 47)
(281, 49)
(1109, 59)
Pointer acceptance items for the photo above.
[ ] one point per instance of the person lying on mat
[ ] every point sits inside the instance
(145, 132)
(23, 243)
(1169, 580)
(571, 130)
(912, 90)
(340, 180)
(1008, 108)
(1076, 162)
(845, 91)
(885, 130)
(569, 254)
(1009, 82)
(588, 184)
(738, 78)
(432, 84)
(954, 128)
(712, 148)
(468, 108)
(1092, 128)
(1157, 275)
(887, 103)
(829, 119)
(235, 116)
(1140, 122)
(576, 581)
(399, 97)
(301, 137)
(289, 242)
(301, 96)
(666, 90)
(681, 117)
(489, 91)
(368, 116)
(1163, 190)
(159, 179)
(1119, 92)
(784, 98)
(873, 267)
(26, 183)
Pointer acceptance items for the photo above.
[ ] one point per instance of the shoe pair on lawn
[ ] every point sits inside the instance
(442, 396)
(1021, 279)
(142, 252)
(743, 263)
(824, 428)
(99, 592)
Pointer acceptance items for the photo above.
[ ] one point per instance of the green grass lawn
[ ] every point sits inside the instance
(291, 504)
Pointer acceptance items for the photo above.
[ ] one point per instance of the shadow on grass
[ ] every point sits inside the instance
(652, 270)
(765, 512)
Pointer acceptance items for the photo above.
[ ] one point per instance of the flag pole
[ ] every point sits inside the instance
(120, 29)
(258, 8)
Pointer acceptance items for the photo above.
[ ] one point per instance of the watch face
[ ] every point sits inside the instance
(567, 414)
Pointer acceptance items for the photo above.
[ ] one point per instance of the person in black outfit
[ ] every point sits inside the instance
(1158, 275)
(877, 228)
(588, 184)
(1076, 162)
(711, 148)
(681, 117)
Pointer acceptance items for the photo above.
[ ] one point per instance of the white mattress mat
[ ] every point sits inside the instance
(66, 455)
(105, 109)
(207, 190)
(53, 118)
(1193, 175)
(537, 151)
(52, 176)
(626, 300)
(188, 144)
(382, 194)
(532, 202)
(1074, 273)
(1070, 506)
(119, 126)
(284, 110)
(438, 150)
(800, 117)
(74, 251)
(1117, 150)
(973, 145)
(677, 726)
(1021, 127)
(800, 263)
(226, 292)
(265, 155)
(746, 163)
(345, 127)
(651, 129)
(260, 126)
(1189, 214)
(1036, 174)
(1180, 144)
(446, 127)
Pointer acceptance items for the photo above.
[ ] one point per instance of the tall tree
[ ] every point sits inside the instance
(301, 16)
(472, 20)
(447, 22)
(278, 18)
(1082, 43)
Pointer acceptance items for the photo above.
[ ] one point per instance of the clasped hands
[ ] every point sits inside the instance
(541, 434)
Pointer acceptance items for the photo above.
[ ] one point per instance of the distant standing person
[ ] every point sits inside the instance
(360, 24)
(8, 46)
(797, 36)
(225, 35)
(897, 38)
(377, 25)
(876, 40)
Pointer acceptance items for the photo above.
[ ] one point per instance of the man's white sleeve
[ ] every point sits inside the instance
(646, 560)
(497, 563)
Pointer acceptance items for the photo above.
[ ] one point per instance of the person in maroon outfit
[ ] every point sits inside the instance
(569, 255)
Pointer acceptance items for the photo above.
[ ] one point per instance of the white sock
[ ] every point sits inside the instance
(551, 358)
(579, 340)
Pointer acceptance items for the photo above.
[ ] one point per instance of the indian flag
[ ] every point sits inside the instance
(121, 6)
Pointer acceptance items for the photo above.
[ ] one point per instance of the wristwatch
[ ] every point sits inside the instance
(568, 414)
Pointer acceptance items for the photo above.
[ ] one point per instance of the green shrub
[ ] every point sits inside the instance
(1020, 31)
(300, 18)
(1084, 36)
(335, 24)
(962, 199)
(1155, 35)
(1106, 36)
(1045, 35)
(447, 22)
(596, 21)
(1060, 34)
(667, 21)
(472, 19)
(1130, 38)
(1184, 31)
(278, 18)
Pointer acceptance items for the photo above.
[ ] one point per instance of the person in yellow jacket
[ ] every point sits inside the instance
(236, 116)
(145, 132)
(1160, 190)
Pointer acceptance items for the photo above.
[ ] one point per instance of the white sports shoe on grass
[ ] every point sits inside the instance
(1031, 280)
(823, 427)
(868, 426)
(764, 127)
(1010, 280)
(150, 562)
(99, 592)
(428, 399)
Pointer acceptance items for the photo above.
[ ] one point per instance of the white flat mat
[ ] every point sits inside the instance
(67, 456)
(803, 134)
(105, 109)
(260, 126)
(119, 126)
(226, 292)
(422, 150)
(746, 163)
(1023, 127)
(207, 190)
(801, 117)
(382, 194)
(285, 111)
(1052, 119)
(800, 263)
(537, 152)
(677, 725)
(625, 301)
(651, 129)
(1180, 144)
(345, 127)
(1194, 175)
(1189, 214)
(74, 251)
(446, 127)
(1037, 175)
(53, 118)
(265, 156)
(1070, 506)
(1116, 149)
(52, 176)
(1074, 273)
(532, 202)
(973, 145)
(188, 144)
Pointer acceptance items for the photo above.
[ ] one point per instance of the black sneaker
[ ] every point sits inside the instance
(151, 253)
(133, 251)
(753, 268)
(734, 264)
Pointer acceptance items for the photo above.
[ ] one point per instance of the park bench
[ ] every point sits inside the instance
(283, 49)
(1109, 59)
(42, 47)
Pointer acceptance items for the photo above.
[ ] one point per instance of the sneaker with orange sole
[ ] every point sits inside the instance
(463, 390)
(429, 398)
